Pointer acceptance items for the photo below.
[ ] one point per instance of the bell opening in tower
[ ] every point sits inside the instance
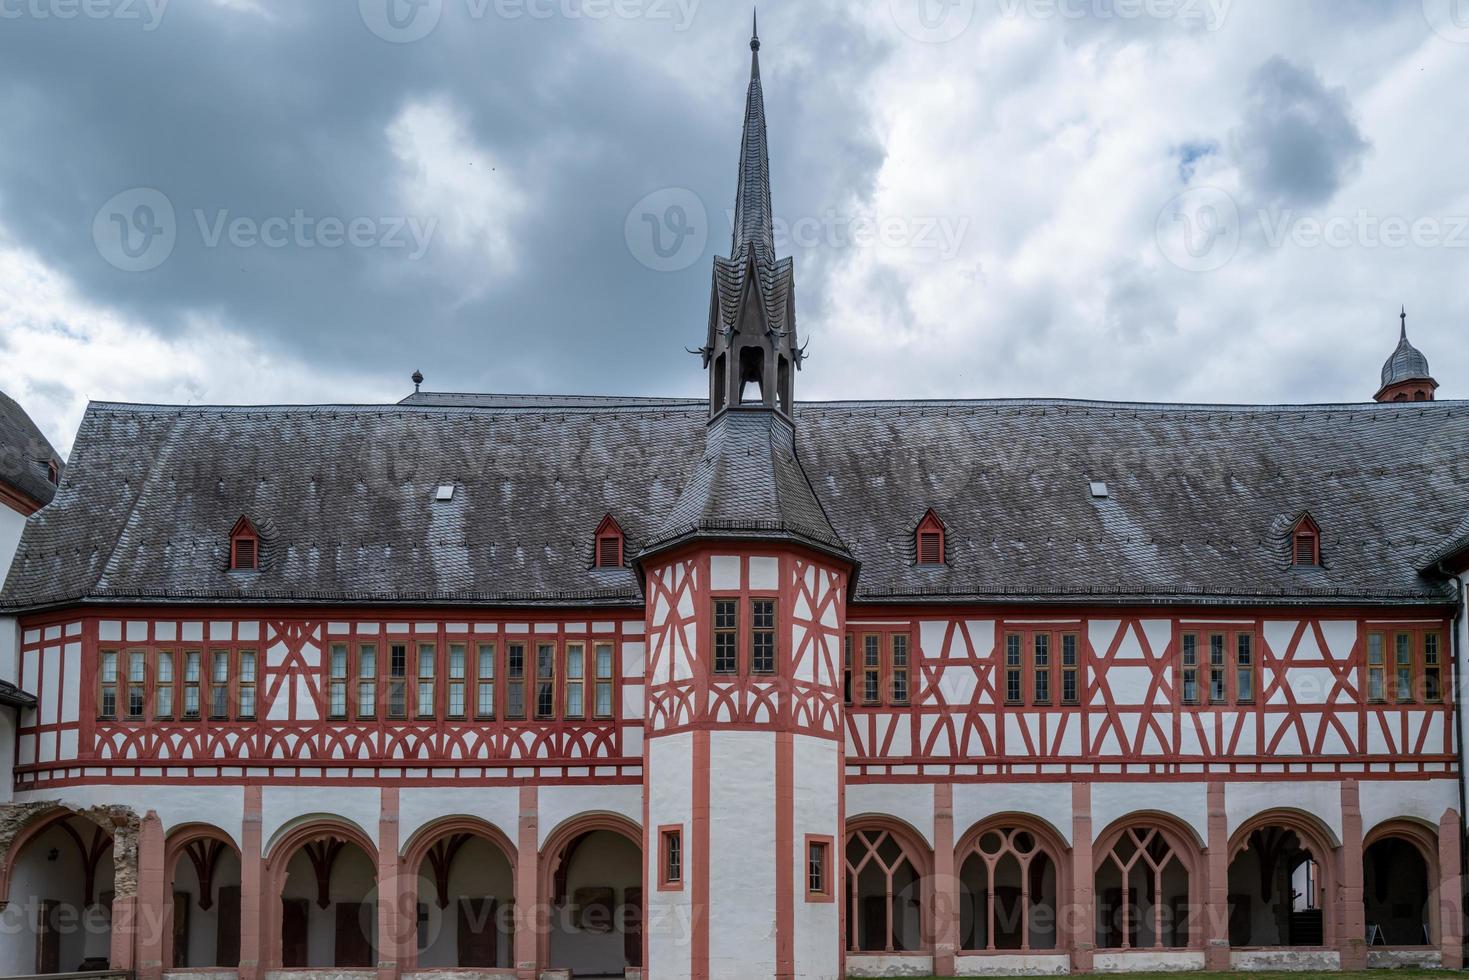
(752, 376)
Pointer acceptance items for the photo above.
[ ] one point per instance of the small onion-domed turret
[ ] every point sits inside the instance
(1405, 376)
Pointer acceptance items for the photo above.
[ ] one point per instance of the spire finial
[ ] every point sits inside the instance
(1405, 323)
(417, 381)
(754, 29)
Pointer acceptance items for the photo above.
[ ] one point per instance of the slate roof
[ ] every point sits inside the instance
(13, 697)
(1201, 500)
(24, 453)
(748, 484)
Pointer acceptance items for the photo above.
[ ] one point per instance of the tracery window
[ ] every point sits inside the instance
(884, 894)
(1142, 892)
(1012, 891)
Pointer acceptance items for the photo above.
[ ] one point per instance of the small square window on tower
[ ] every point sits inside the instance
(609, 544)
(670, 858)
(929, 547)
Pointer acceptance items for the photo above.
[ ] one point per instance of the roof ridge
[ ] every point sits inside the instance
(635, 404)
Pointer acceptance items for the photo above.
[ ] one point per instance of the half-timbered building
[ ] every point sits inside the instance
(741, 686)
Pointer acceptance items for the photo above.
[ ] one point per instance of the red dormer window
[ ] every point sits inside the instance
(1305, 543)
(609, 544)
(244, 547)
(930, 540)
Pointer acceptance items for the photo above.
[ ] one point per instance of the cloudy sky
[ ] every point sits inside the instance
(249, 201)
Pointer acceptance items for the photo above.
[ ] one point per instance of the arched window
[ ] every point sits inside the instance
(1305, 542)
(1142, 889)
(884, 893)
(609, 544)
(1399, 877)
(1011, 881)
(244, 547)
(929, 543)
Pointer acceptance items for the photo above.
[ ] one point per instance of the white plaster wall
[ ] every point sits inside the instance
(817, 774)
(1013, 965)
(281, 806)
(217, 804)
(975, 802)
(417, 808)
(1188, 802)
(354, 879)
(85, 932)
(604, 860)
(9, 648)
(670, 801)
(1244, 800)
(7, 753)
(742, 869)
(11, 524)
(1148, 961)
(557, 804)
(479, 871)
(912, 803)
(1391, 799)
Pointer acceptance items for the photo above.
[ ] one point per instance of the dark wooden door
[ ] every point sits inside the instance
(479, 938)
(632, 926)
(181, 903)
(295, 915)
(48, 939)
(227, 936)
(353, 947)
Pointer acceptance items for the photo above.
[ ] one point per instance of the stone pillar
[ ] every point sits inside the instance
(945, 882)
(1216, 898)
(527, 887)
(253, 901)
(1079, 921)
(122, 954)
(1450, 891)
(151, 913)
(1351, 922)
(390, 913)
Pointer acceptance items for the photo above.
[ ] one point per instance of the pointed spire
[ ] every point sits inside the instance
(1403, 335)
(753, 213)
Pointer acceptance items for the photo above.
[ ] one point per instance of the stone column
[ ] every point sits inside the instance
(1450, 891)
(945, 882)
(1216, 901)
(123, 950)
(390, 913)
(1079, 921)
(253, 902)
(150, 915)
(527, 887)
(1351, 922)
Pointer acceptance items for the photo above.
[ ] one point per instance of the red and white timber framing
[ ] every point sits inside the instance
(751, 768)
(745, 766)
